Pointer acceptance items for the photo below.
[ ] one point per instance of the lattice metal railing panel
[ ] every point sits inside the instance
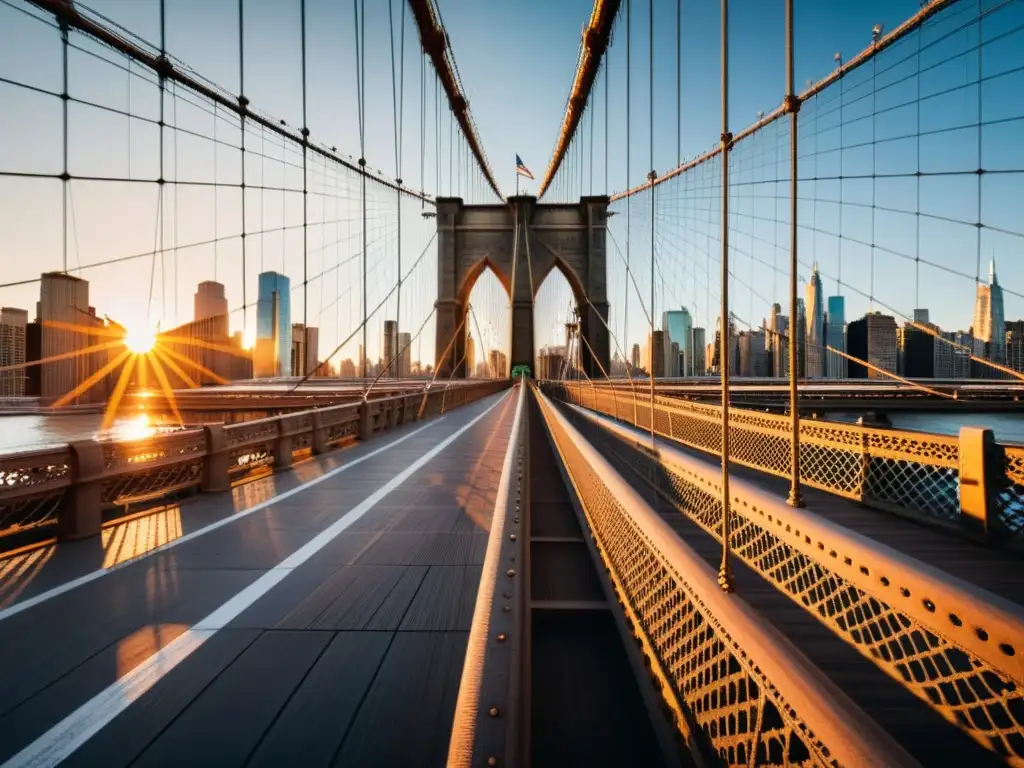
(1011, 497)
(900, 471)
(738, 710)
(32, 489)
(915, 648)
(248, 457)
(153, 483)
(22, 514)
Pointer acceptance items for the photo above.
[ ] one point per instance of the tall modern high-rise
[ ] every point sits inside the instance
(273, 326)
(13, 325)
(1015, 345)
(404, 353)
(64, 300)
(678, 324)
(210, 301)
(390, 343)
(654, 354)
(835, 335)
(873, 338)
(305, 350)
(801, 338)
(989, 321)
(700, 365)
(470, 354)
(815, 342)
(634, 357)
(780, 352)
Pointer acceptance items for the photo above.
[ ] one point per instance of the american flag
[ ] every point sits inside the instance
(521, 168)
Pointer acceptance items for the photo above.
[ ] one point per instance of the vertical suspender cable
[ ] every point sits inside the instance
(359, 10)
(396, 107)
(65, 177)
(243, 104)
(629, 199)
(216, 232)
(725, 570)
(606, 135)
(795, 498)
(305, 207)
(679, 82)
(652, 175)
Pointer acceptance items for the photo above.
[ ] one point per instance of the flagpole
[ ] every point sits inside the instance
(517, 181)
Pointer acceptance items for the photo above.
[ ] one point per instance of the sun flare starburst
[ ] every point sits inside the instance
(140, 340)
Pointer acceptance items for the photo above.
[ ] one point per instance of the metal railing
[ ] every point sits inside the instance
(735, 686)
(955, 646)
(69, 490)
(910, 473)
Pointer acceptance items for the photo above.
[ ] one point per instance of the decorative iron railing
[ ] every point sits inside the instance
(69, 490)
(735, 686)
(958, 648)
(910, 473)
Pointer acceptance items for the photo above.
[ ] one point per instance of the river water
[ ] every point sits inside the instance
(30, 431)
(24, 432)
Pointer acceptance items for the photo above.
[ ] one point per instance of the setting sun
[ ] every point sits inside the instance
(140, 340)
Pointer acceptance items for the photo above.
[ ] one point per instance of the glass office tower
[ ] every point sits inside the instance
(273, 326)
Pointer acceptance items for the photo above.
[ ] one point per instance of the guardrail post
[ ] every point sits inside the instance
(82, 513)
(283, 445)
(980, 471)
(392, 414)
(319, 441)
(217, 460)
(365, 421)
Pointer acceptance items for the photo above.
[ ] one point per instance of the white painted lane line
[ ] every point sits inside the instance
(74, 730)
(49, 594)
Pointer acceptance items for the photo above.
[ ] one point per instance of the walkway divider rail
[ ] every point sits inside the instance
(915, 474)
(729, 679)
(486, 725)
(955, 646)
(69, 490)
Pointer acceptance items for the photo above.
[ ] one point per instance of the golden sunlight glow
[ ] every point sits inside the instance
(140, 340)
(249, 339)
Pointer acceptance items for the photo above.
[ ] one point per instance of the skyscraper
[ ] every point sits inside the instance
(390, 342)
(470, 354)
(273, 326)
(654, 354)
(63, 300)
(305, 350)
(835, 335)
(699, 353)
(1015, 345)
(13, 325)
(780, 352)
(404, 353)
(873, 338)
(678, 324)
(989, 322)
(801, 338)
(210, 302)
(815, 357)
(634, 357)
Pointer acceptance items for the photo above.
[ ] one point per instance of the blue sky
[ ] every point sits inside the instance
(516, 61)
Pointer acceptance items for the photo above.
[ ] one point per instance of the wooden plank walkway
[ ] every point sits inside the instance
(353, 658)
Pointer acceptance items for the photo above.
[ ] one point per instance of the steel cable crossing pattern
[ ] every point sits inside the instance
(593, 46)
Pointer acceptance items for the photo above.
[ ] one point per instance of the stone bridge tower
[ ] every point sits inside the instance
(521, 241)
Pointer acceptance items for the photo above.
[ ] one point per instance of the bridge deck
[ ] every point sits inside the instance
(325, 626)
(921, 730)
